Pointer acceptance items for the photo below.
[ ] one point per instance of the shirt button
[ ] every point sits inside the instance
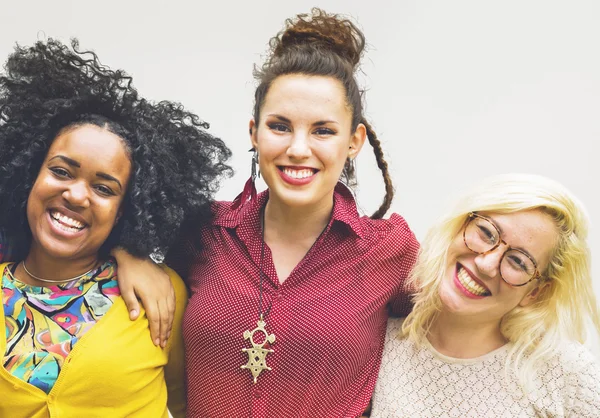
(257, 393)
(279, 296)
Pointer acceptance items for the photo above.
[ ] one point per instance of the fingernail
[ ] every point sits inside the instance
(163, 344)
(134, 312)
(157, 341)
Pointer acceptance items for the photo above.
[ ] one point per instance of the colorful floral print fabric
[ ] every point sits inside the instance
(43, 324)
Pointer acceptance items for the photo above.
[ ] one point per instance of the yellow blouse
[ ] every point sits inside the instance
(113, 371)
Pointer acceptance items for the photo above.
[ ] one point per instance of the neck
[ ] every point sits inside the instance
(51, 268)
(285, 223)
(464, 337)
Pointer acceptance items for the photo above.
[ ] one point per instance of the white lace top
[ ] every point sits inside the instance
(421, 382)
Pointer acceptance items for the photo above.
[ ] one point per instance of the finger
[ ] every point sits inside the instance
(128, 295)
(163, 308)
(153, 314)
(171, 303)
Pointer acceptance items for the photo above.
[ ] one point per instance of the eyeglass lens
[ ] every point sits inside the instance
(482, 236)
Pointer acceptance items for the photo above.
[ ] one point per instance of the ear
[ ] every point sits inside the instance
(118, 217)
(533, 294)
(357, 141)
(253, 127)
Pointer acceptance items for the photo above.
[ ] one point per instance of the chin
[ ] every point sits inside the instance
(451, 300)
(59, 249)
(297, 197)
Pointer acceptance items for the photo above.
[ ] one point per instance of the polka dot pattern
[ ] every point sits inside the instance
(420, 382)
(329, 316)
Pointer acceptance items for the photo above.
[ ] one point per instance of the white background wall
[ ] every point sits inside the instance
(456, 89)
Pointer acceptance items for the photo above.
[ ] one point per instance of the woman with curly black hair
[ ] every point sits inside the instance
(87, 165)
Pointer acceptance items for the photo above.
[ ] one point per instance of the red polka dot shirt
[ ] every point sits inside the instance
(329, 316)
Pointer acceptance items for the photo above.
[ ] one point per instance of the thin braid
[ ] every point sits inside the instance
(383, 166)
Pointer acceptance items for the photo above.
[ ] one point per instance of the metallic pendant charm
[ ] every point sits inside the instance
(257, 355)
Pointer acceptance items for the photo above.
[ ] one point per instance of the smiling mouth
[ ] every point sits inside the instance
(65, 223)
(295, 173)
(471, 285)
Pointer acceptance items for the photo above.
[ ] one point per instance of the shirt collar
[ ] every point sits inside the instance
(344, 211)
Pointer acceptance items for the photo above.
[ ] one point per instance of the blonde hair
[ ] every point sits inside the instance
(562, 308)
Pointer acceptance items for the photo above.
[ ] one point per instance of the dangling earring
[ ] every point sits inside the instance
(249, 192)
(352, 166)
(349, 174)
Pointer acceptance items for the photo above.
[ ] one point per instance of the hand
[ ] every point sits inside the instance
(144, 279)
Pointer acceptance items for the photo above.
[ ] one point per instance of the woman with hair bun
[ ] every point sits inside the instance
(291, 288)
(504, 297)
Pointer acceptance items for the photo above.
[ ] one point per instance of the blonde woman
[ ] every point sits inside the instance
(504, 296)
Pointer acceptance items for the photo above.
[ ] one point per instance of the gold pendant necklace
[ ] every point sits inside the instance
(257, 355)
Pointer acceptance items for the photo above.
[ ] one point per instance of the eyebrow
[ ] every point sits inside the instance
(319, 123)
(109, 178)
(67, 160)
(516, 248)
(74, 163)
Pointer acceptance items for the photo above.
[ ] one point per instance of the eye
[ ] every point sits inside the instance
(324, 132)
(279, 127)
(518, 262)
(104, 190)
(60, 172)
(487, 234)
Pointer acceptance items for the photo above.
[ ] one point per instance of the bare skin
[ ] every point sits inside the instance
(290, 234)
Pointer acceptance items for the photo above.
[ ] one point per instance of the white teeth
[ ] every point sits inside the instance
(470, 284)
(298, 174)
(69, 224)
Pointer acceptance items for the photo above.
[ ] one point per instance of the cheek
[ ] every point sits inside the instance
(457, 249)
(39, 191)
(333, 156)
(510, 297)
(107, 213)
(113, 212)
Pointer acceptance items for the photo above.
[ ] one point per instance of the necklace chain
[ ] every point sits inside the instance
(257, 355)
(33, 276)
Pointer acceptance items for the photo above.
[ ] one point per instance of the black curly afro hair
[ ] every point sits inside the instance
(176, 164)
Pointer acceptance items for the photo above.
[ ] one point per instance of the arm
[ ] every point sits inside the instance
(174, 370)
(144, 279)
(402, 258)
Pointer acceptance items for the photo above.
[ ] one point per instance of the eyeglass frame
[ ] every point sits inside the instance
(472, 215)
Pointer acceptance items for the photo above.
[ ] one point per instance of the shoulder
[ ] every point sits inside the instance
(577, 371)
(390, 241)
(394, 340)
(575, 359)
(221, 209)
(227, 214)
(394, 229)
(394, 327)
(374, 231)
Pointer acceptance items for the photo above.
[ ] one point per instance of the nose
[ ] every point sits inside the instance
(299, 148)
(77, 194)
(489, 263)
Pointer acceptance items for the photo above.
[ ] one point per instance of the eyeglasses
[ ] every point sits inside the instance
(482, 236)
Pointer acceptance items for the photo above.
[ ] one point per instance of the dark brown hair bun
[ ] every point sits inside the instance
(321, 30)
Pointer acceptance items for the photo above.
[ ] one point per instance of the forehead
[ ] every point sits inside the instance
(532, 230)
(304, 96)
(92, 147)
